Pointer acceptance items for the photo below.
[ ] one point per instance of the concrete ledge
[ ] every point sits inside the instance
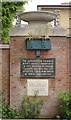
(37, 30)
(68, 35)
(57, 31)
(3, 46)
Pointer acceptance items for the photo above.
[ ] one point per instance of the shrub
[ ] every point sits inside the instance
(65, 106)
(31, 107)
(9, 112)
(5, 110)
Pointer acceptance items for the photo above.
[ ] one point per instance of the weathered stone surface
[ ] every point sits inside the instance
(40, 86)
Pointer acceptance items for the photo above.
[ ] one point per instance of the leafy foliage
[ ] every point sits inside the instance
(5, 110)
(9, 112)
(31, 107)
(8, 14)
(65, 106)
(0, 103)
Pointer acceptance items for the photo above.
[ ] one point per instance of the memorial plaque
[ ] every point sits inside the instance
(38, 68)
(39, 85)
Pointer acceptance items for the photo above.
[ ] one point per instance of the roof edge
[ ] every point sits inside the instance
(55, 6)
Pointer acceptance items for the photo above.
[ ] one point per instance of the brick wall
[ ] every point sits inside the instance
(18, 86)
(70, 63)
(0, 67)
(6, 73)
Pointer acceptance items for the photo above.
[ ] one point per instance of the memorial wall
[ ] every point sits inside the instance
(39, 64)
(26, 72)
(16, 86)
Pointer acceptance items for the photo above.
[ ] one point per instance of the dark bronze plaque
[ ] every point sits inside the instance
(38, 68)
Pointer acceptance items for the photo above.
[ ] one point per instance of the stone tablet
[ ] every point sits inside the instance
(39, 85)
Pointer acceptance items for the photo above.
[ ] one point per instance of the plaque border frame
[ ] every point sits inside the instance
(33, 77)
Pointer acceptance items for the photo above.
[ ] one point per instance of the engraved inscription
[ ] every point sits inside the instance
(37, 85)
(38, 68)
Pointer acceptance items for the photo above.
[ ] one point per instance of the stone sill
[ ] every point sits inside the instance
(3, 46)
